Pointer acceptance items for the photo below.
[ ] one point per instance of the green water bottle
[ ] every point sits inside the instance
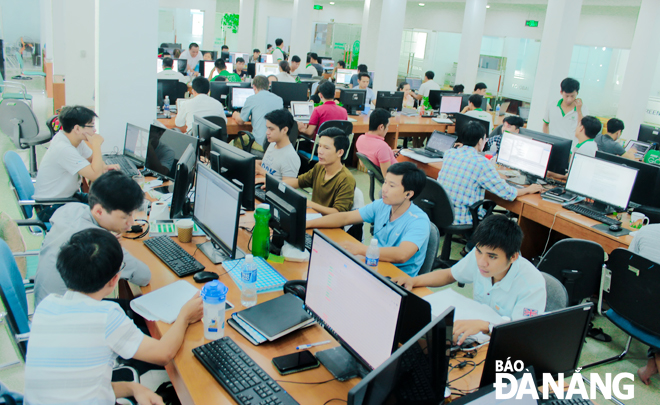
(261, 232)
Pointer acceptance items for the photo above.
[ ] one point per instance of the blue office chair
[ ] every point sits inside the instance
(12, 293)
(311, 156)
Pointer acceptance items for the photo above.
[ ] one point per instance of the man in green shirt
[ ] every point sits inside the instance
(221, 69)
(333, 185)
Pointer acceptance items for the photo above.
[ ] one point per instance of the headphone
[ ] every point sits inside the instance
(138, 229)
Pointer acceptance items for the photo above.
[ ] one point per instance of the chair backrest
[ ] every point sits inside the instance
(17, 120)
(556, 295)
(371, 167)
(431, 249)
(20, 181)
(19, 58)
(435, 202)
(221, 122)
(293, 136)
(182, 88)
(53, 124)
(577, 264)
(651, 212)
(345, 126)
(633, 290)
(13, 295)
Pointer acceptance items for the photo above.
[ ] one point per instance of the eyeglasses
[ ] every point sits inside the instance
(89, 126)
(123, 266)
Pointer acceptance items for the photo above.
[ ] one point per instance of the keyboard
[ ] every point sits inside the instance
(173, 255)
(428, 153)
(239, 375)
(588, 212)
(308, 242)
(260, 194)
(416, 385)
(552, 400)
(125, 165)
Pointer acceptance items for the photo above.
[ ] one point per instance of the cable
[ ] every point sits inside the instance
(144, 233)
(334, 399)
(549, 233)
(306, 383)
(474, 366)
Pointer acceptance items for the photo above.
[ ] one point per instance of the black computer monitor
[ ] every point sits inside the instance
(390, 100)
(356, 305)
(561, 149)
(608, 184)
(290, 92)
(351, 99)
(252, 69)
(421, 365)
(288, 212)
(183, 181)
(465, 100)
(205, 67)
(237, 166)
(225, 56)
(647, 185)
(181, 65)
(238, 96)
(212, 193)
(167, 87)
(135, 143)
(219, 91)
(434, 99)
(650, 134)
(214, 54)
(551, 343)
(463, 119)
(165, 149)
(204, 130)
(525, 154)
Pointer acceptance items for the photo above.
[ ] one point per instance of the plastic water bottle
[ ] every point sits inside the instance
(261, 231)
(249, 280)
(214, 295)
(497, 111)
(166, 107)
(373, 253)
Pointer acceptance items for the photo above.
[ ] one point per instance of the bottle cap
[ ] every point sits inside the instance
(214, 292)
(374, 242)
(264, 206)
(249, 258)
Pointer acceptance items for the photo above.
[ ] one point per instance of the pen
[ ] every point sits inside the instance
(302, 347)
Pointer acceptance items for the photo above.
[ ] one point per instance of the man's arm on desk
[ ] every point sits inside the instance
(321, 209)
(337, 220)
(394, 254)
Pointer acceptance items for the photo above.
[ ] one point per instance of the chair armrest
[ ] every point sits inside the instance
(305, 137)
(51, 201)
(31, 222)
(488, 205)
(23, 337)
(245, 147)
(26, 254)
(20, 86)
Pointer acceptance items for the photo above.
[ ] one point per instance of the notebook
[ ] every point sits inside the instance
(268, 279)
(275, 318)
(165, 303)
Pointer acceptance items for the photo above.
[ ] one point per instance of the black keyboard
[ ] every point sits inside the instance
(308, 242)
(173, 255)
(416, 385)
(239, 375)
(125, 164)
(588, 212)
(428, 153)
(260, 194)
(552, 400)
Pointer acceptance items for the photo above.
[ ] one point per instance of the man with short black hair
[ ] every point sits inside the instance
(363, 84)
(269, 49)
(512, 124)
(480, 89)
(402, 228)
(256, 56)
(333, 185)
(585, 133)
(255, 109)
(113, 200)
(473, 109)
(280, 160)
(239, 68)
(459, 89)
(295, 64)
(502, 278)
(313, 67)
(278, 53)
(200, 104)
(427, 85)
(373, 144)
(193, 56)
(221, 70)
(168, 73)
(563, 118)
(609, 142)
(362, 68)
(328, 111)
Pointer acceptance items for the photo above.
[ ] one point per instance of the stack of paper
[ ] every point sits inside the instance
(165, 303)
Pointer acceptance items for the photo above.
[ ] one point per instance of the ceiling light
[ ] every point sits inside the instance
(422, 4)
(487, 5)
(332, 3)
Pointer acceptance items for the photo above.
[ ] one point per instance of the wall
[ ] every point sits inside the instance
(79, 54)
(20, 19)
(613, 27)
(58, 53)
(207, 6)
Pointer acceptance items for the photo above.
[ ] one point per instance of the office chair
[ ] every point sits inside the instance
(374, 174)
(17, 120)
(25, 73)
(633, 299)
(26, 260)
(22, 91)
(310, 156)
(652, 212)
(293, 138)
(431, 250)
(556, 295)
(14, 299)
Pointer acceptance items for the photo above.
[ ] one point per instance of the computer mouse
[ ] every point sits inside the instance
(205, 277)
(615, 228)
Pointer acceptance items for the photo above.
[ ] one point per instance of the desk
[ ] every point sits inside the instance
(537, 217)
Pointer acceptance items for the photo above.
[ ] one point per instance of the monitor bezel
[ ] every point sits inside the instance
(180, 134)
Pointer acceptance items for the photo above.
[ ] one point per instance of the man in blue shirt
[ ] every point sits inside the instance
(402, 228)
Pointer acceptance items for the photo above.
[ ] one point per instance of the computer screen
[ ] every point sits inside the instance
(135, 142)
(183, 181)
(390, 100)
(561, 149)
(268, 69)
(290, 92)
(208, 66)
(352, 302)
(266, 58)
(649, 133)
(165, 149)
(181, 65)
(640, 147)
(302, 108)
(239, 95)
(169, 88)
(601, 180)
(211, 192)
(344, 75)
(647, 184)
(524, 154)
(237, 166)
(463, 119)
(351, 99)
(450, 104)
(434, 98)
(414, 82)
(288, 208)
(441, 141)
(159, 67)
(328, 64)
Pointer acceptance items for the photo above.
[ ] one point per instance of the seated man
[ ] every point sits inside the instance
(609, 142)
(402, 228)
(69, 159)
(585, 133)
(255, 109)
(221, 70)
(169, 74)
(113, 199)
(193, 56)
(373, 144)
(333, 185)
(201, 104)
(480, 89)
(363, 84)
(76, 336)
(313, 67)
(466, 175)
(256, 56)
(280, 160)
(239, 68)
(511, 124)
(473, 109)
(355, 79)
(502, 278)
(295, 64)
(329, 111)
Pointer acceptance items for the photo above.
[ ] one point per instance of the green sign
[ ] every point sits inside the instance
(318, 7)
(653, 157)
(532, 23)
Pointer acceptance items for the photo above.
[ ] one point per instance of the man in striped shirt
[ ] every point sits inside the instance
(75, 338)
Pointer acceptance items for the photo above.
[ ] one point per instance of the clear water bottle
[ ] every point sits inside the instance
(497, 111)
(249, 280)
(373, 253)
(166, 107)
(214, 295)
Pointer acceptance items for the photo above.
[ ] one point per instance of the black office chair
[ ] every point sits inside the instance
(651, 212)
(307, 146)
(374, 174)
(431, 250)
(221, 122)
(293, 138)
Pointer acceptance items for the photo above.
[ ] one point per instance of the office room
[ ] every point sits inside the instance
(488, 169)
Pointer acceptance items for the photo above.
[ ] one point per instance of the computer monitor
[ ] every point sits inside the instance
(450, 104)
(266, 58)
(135, 143)
(414, 82)
(169, 88)
(488, 394)
(351, 99)
(288, 212)
(527, 155)
(204, 130)
(252, 69)
(390, 100)
(640, 147)
(650, 134)
(181, 65)
(224, 56)
(434, 99)
(183, 181)
(219, 91)
(234, 55)
(267, 69)
(440, 142)
(165, 149)
(551, 343)
(344, 75)
(159, 66)
(211, 192)
(238, 97)
(327, 63)
(463, 119)
(357, 306)
(608, 184)
(647, 184)
(420, 365)
(290, 92)
(205, 67)
(237, 166)
(561, 149)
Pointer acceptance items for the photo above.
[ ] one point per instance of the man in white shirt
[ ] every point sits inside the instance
(427, 85)
(193, 56)
(201, 105)
(169, 74)
(473, 109)
(585, 135)
(280, 159)
(563, 118)
(278, 52)
(295, 64)
(312, 65)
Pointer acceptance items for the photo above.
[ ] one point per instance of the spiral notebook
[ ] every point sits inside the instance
(268, 279)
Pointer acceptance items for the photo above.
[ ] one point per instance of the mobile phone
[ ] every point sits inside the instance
(295, 362)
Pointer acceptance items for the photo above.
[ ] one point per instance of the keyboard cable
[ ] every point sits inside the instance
(144, 233)
(334, 399)
(549, 233)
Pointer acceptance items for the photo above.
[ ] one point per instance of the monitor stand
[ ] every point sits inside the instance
(352, 110)
(218, 255)
(599, 207)
(341, 364)
(277, 240)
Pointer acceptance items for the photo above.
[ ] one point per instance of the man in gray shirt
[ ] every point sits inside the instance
(255, 109)
(609, 142)
(113, 198)
(280, 159)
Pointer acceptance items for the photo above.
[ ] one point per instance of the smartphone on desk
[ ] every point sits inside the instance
(295, 362)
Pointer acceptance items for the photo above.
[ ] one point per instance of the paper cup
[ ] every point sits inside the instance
(184, 230)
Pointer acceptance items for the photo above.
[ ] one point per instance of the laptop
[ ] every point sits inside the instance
(437, 145)
(642, 148)
(135, 150)
(302, 110)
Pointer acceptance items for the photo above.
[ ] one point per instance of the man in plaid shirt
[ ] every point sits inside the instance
(466, 175)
